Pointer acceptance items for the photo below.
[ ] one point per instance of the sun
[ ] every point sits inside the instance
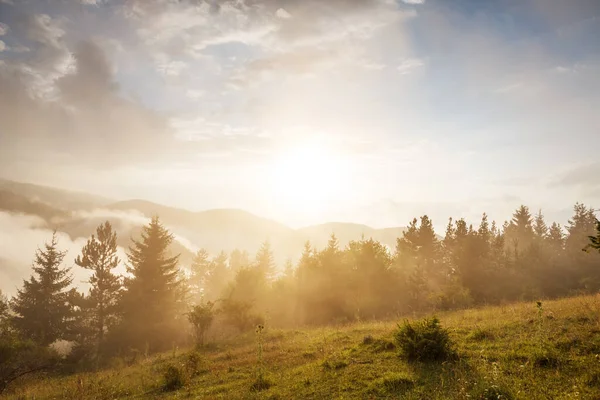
(307, 178)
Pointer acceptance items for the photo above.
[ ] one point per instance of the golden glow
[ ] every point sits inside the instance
(307, 177)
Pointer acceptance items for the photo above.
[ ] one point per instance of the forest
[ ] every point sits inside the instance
(159, 305)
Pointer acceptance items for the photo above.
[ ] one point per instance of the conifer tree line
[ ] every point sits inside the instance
(150, 308)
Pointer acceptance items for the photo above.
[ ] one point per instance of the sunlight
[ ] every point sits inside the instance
(307, 176)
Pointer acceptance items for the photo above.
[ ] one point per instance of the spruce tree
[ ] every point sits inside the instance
(238, 260)
(42, 311)
(218, 277)
(3, 313)
(152, 302)
(595, 240)
(539, 227)
(556, 239)
(100, 256)
(199, 274)
(520, 233)
(265, 261)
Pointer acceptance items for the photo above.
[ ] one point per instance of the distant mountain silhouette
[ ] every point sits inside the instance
(79, 213)
(58, 198)
(346, 232)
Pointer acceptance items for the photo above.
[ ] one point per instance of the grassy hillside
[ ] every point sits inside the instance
(519, 351)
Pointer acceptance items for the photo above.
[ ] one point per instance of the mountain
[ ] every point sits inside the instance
(346, 232)
(20, 204)
(78, 214)
(57, 198)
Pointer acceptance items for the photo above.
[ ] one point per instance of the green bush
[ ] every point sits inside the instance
(20, 357)
(173, 379)
(424, 340)
(239, 314)
(195, 364)
(201, 317)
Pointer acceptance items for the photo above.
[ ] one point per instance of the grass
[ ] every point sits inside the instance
(504, 352)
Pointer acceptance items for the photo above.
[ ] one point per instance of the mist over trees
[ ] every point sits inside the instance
(159, 304)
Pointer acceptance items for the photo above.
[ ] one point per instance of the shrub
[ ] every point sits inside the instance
(201, 318)
(424, 340)
(239, 315)
(22, 357)
(194, 364)
(173, 378)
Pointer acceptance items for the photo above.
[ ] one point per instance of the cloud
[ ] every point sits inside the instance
(87, 117)
(584, 174)
(124, 223)
(3, 29)
(20, 236)
(409, 65)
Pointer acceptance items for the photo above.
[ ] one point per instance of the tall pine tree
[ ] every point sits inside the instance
(152, 302)
(265, 262)
(100, 256)
(42, 311)
(595, 240)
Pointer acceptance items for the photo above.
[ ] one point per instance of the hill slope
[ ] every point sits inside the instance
(57, 198)
(518, 351)
(77, 214)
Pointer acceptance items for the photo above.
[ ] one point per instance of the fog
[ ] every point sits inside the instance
(21, 235)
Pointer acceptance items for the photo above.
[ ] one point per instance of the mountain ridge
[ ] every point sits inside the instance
(215, 229)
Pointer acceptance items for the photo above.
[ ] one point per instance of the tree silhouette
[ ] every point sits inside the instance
(42, 308)
(595, 240)
(100, 256)
(154, 292)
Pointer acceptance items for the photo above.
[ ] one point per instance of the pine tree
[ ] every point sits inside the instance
(238, 260)
(333, 245)
(199, 274)
(585, 268)
(42, 309)
(100, 256)
(556, 238)
(152, 302)
(519, 233)
(265, 261)
(484, 231)
(407, 247)
(539, 227)
(4, 308)
(288, 270)
(580, 227)
(218, 277)
(595, 240)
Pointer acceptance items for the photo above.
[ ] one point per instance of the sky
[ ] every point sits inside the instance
(370, 111)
